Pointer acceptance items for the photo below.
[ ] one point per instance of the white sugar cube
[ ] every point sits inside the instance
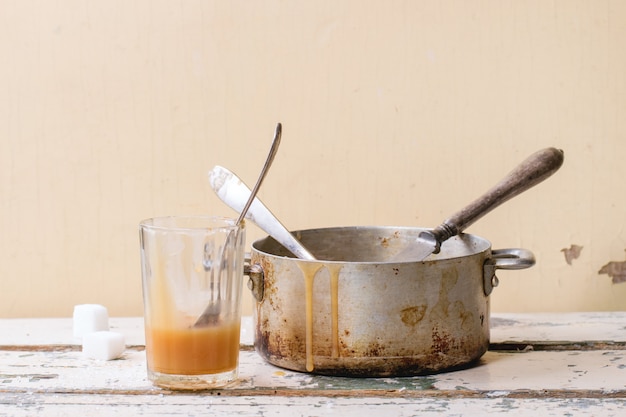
(103, 345)
(89, 318)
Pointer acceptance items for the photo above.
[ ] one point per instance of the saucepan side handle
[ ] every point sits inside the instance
(512, 258)
(256, 278)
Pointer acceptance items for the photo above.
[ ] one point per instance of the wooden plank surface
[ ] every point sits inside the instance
(556, 327)
(593, 372)
(572, 363)
(505, 328)
(271, 406)
(58, 331)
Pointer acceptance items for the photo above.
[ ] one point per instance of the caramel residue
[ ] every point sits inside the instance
(309, 270)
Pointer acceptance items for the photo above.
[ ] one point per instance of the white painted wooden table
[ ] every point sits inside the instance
(538, 364)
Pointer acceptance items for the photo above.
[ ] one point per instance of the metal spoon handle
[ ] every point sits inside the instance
(527, 174)
(266, 167)
(213, 310)
(232, 191)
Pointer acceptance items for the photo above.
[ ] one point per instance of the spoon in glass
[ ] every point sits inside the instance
(213, 311)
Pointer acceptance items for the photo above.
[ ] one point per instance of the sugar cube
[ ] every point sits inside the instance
(103, 345)
(89, 318)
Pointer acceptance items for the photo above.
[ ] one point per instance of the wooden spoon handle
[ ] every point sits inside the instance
(529, 173)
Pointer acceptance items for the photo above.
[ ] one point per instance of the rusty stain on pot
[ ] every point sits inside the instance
(375, 349)
(413, 315)
(269, 276)
(441, 341)
(385, 241)
(262, 335)
(445, 310)
(440, 311)
(334, 270)
(274, 345)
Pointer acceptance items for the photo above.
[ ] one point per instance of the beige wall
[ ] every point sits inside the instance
(394, 113)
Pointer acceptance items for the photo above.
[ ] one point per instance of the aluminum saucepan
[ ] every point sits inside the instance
(355, 314)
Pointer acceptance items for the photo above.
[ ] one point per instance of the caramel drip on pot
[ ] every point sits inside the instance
(309, 270)
(334, 306)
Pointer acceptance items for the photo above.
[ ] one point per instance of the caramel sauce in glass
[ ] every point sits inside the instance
(193, 351)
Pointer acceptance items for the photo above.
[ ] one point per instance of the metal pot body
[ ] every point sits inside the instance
(351, 313)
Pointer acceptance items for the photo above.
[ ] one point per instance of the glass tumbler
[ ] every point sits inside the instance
(192, 274)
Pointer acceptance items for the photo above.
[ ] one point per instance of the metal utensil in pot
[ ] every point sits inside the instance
(529, 173)
(232, 191)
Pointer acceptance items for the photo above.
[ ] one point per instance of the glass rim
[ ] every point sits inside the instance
(195, 223)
